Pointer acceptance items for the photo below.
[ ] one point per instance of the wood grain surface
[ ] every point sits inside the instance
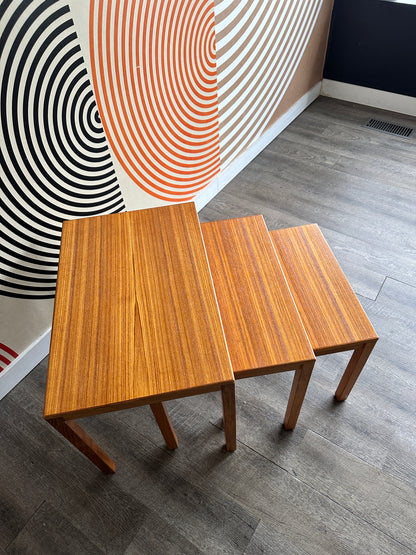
(330, 311)
(261, 323)
(136, 319)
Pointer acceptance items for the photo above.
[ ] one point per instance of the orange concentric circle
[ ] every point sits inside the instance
(154, 72)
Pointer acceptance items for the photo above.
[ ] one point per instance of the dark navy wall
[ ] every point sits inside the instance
(372, 43)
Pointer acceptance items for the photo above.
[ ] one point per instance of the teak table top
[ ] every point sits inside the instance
(330, 311)
(136, 319)
(262, 326)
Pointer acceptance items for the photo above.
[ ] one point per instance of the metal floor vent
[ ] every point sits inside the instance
(391, 128)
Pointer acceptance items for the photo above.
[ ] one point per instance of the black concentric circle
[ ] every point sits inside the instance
(55, 160)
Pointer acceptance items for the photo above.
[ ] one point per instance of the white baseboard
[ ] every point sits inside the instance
(24, 363)
(370, 97)
(255, 148)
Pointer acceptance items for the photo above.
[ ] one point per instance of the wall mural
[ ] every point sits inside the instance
(260, 45)
(7, 355)
(55, 156)
(155, 79)
(110, 105)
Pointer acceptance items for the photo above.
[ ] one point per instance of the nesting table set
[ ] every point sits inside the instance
(151, 305)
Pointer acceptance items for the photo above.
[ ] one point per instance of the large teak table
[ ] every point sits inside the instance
(135, 322)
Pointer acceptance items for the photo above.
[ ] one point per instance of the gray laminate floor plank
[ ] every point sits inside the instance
(265, 540)
(354, 115)
(344, 481)
(158, 537)
(50, 532)
(345, 122)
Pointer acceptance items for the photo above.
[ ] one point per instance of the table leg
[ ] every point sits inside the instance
(162, 418)
(353, 370)
(228, 406)
(297, 394)
(84, 443)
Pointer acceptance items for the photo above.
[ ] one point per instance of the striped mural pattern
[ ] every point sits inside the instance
(154, 73)
(55, 159)
(7, 355)
(259, 47)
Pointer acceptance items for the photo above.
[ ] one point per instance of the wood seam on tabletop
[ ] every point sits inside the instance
(192, 262)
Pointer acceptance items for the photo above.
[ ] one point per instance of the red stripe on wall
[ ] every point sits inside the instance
(4, 359)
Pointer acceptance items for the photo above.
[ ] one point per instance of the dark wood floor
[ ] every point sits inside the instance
(343, 481)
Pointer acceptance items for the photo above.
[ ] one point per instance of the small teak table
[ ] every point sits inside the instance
(331, 313)
(135, 322)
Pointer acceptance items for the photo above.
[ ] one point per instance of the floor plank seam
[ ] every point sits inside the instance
(401, 282)
(152, 440)
(256, 452)
(360, 459)
(274, 463)
(361, 296)
(6, 549)
(381, 287)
